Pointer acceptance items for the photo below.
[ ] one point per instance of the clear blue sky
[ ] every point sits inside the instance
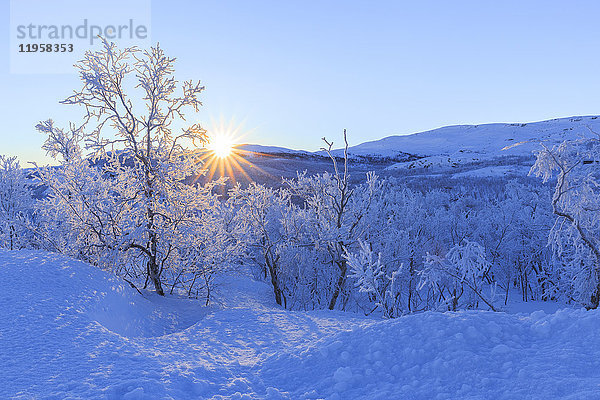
(294, 71)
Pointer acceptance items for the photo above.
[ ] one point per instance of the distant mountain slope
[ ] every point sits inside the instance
(486, 140)
(492, 150)
(258, 149)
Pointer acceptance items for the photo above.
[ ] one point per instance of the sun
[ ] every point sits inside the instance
(221, 145)
(223, 156)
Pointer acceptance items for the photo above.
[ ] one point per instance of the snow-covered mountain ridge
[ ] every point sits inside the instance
(509, 146)
(487, 139)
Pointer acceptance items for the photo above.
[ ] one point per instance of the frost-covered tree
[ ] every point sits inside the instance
(409, 229)
(337, 214)
(121, 188)
(407, 225)
(205, 247)
(265, 216)
(370, 276)
(16, 203)
(330, 201)
(515, 231)
(458, 273)
(575, 236)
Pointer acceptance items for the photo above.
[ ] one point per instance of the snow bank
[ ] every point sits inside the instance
(69, 330)
(63, 323)
(476, 355)
(56, 286)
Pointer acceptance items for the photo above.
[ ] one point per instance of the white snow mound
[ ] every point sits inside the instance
(475, 355)
(69, 330)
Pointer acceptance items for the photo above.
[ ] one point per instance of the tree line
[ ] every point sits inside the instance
(121, 199)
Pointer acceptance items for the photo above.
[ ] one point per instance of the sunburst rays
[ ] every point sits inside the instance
(223, 154)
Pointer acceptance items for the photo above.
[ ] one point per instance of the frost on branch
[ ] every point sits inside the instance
(370, 278)
(337, 214)
(266, 224)
(459, 273)
(16, 204)
(124, 197)
(575, 236)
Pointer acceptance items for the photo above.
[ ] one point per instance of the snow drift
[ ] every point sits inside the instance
(479, 355)
(69, 330)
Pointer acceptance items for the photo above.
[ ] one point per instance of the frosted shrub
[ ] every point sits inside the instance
(16, 204)
(371, 278)
(119, 199)
(459, 273)
(575, 236)
(338, 214)
(267, 227)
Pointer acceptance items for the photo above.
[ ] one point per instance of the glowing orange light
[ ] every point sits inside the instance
(222, 155)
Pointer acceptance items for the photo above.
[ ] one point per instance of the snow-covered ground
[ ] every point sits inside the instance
(69, 330)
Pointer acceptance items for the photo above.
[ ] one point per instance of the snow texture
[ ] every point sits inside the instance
(69, 330)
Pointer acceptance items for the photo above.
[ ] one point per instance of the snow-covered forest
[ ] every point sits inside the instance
(284, 289)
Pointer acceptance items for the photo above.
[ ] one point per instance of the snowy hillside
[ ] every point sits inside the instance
(490, 140)
(257, 149)
(69, 330)
(478, 150)
(477, 145)
(468, 141)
